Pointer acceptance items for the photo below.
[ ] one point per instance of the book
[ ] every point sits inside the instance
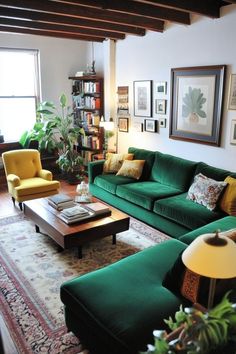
(59, 199)
(74, 219)
(98, 208)
(61, 206)
(75, 211)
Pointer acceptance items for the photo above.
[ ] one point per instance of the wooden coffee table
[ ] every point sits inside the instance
(76, 235)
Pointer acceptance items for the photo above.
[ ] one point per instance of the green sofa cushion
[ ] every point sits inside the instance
(145, 193)
(110, 182)
(123, 304)
(224, 224)
(185, 212)
(148, 156)
(213, 172)
(173, 171)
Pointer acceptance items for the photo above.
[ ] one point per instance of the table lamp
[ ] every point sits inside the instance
(212, 256)
(109, 130)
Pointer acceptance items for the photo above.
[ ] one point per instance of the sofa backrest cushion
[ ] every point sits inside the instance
(148, 156)
(173, 171)
(213, 172)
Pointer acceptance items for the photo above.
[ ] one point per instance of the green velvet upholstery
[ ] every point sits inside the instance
(110, 182)
(121, 317)
(185, 212)
(213, 172)
(163, 224)
(145, 193)
(173, 171)
(95, 168)
(224, 224)
(148, 156)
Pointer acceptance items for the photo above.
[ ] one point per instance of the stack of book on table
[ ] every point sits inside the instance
(74, 214)
(60, 201)
(79, 212)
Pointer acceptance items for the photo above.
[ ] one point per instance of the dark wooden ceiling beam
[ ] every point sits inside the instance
(231, 1)
(70, 21)
(86, 13)
(65, 35)
(60, 28)
(210, 8)
(136, 8)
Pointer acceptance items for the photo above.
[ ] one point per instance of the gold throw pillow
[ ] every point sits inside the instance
(228, 200)
(131, 169)
(114, 162)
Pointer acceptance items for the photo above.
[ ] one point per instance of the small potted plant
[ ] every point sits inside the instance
(54, 131)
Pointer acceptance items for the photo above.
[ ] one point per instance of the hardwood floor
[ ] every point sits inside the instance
(8, 209)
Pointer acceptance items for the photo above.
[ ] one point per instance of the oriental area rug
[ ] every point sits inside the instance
(32, 270)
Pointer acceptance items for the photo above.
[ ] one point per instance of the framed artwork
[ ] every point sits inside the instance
(123, 124)
(150, 125)
(232, 92)
(161, 87)
(160, 106)
(196, 104)
(162, 122)
(123, 100)
(233, 132)
(143, 98)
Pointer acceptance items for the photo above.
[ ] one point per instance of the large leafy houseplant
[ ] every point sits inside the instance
(197, 331)
(54, 131)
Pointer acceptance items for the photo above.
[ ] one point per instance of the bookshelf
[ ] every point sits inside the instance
(87, 98)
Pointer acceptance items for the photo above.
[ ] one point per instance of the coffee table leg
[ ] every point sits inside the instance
(80, 255)
(114, 239)
(37, 229)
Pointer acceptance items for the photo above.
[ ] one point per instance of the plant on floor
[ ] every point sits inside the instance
(54, 131)
(196, 331)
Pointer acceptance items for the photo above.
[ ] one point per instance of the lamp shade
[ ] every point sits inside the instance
(211, 256)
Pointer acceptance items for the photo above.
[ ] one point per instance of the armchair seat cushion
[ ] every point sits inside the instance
(35, 185)
(186, 212)
(145, 193)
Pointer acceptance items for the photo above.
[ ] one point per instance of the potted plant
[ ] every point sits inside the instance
(195, 330)
(54, 131)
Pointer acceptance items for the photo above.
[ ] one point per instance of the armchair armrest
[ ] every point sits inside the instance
(13, 179)
(95, 168)
(45, 174)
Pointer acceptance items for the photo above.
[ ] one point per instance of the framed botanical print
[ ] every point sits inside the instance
(123, 124)
(143, 98)
(233, 132)
(232, 92)
(196, 104)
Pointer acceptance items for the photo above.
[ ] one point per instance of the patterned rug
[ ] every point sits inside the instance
(32, 270)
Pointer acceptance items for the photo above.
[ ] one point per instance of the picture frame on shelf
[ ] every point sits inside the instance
(160, 106)
(143, 98)
(233, 132)
(162, 122)
(196, 103)
(123, 124)
(232, 93)
(150, 125)
(161, 87)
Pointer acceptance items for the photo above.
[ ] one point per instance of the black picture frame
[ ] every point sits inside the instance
(143, 98)
(123, 124)
(196, 103)
(150, 125)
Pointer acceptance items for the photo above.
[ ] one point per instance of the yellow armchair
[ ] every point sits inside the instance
(26, 179)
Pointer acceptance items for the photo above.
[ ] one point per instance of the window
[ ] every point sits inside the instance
(19, 91)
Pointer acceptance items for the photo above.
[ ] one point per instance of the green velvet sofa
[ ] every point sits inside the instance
(114, 310)
(159, 197)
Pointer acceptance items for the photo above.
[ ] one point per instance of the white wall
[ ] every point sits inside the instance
(59, 59)
(205, 42)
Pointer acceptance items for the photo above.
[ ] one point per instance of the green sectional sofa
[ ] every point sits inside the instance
(114, 310)
(159, 197)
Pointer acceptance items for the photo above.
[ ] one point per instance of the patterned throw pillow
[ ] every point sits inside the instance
(228, 200)
(131, 169)
(205, 191)
(114, 162)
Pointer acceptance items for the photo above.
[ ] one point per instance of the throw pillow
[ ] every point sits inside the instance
(194, 287)
(228, 200)
(114, 161)
(131, 169)
(205, 191)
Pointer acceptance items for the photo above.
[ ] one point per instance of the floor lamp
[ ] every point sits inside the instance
(212, 256)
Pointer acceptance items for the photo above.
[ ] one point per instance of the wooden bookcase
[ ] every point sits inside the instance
(88, 105)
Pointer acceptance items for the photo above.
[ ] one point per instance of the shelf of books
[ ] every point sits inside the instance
(87, 96)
